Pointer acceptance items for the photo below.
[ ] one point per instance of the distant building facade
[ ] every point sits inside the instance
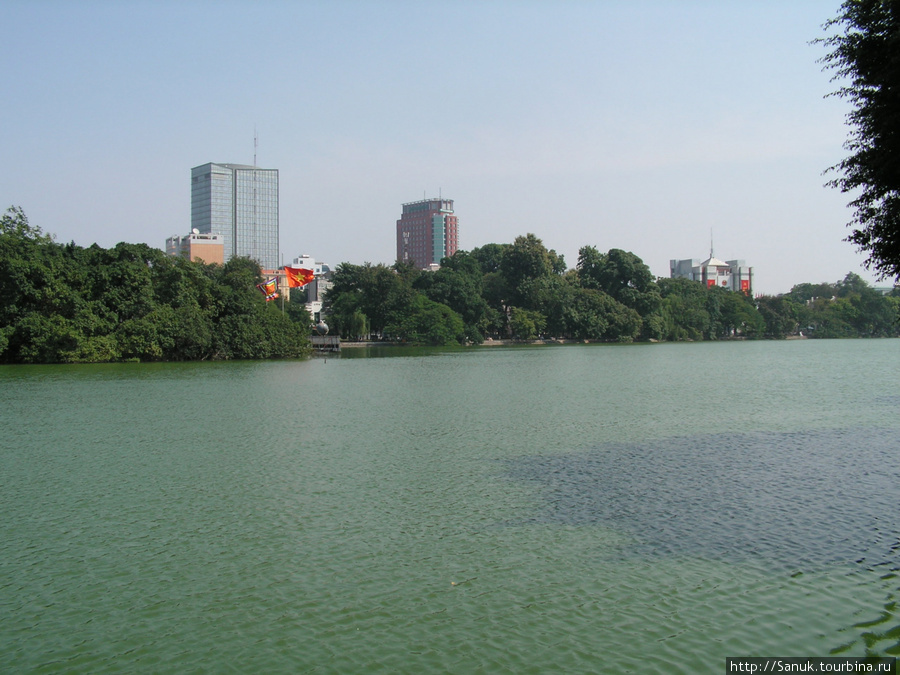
(307, 262)
(313, 292)
(240, 204)
(427, 231)
(315, 289)
(734, 275)
(315, 295)
(197, 247)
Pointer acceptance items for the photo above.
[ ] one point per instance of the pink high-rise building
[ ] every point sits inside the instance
(427, 232)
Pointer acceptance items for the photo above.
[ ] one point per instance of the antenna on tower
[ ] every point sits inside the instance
(711, 244)
(255, 144)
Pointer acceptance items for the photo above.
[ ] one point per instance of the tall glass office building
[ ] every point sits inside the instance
(239, 203)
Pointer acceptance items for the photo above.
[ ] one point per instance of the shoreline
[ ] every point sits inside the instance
(509, 343)
(486, 343)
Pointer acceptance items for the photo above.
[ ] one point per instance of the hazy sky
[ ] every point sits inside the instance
(634, 124)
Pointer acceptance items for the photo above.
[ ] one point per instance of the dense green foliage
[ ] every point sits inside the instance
(68, 304)
(523, 291)
(866, 55)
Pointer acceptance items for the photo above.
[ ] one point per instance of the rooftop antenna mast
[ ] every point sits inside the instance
(255, 144)
(711, 243)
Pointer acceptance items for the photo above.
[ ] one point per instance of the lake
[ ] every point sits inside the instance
(571, 508)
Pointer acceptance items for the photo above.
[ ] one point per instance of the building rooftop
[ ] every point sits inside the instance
(428, 200)
(240, 166)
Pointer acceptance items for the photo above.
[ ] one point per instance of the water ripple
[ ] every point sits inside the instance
(794, 501)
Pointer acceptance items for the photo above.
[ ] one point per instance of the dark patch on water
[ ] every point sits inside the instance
(794, 500)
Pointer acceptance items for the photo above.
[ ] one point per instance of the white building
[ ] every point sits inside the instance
(307, 262)
(315, 289)
(734, 275)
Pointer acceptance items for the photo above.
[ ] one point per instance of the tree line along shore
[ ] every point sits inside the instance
(523, 291)
(63, 303)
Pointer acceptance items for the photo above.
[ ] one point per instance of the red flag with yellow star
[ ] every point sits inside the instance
(297, 276)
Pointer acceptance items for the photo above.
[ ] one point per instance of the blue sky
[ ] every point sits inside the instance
(643, 125)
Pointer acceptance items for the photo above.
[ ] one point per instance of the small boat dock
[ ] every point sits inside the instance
(326, 343)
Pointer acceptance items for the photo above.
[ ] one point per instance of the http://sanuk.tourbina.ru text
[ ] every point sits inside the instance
(795, 664)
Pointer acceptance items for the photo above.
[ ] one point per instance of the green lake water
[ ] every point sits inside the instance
(578, 508)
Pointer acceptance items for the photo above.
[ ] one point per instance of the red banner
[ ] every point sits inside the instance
(297, 276)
